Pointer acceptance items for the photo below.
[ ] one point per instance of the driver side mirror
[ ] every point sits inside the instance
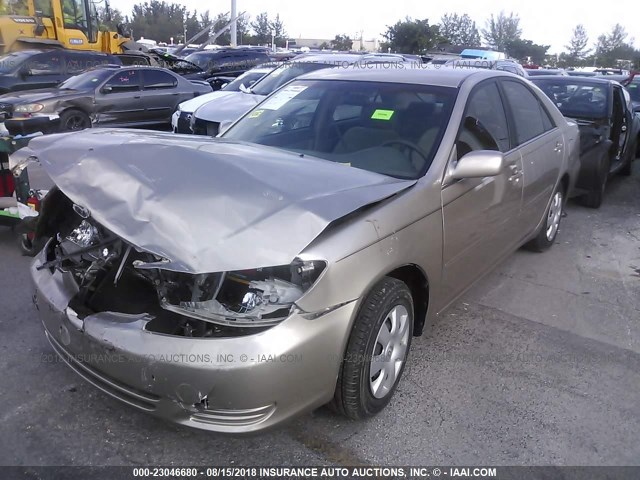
(244, 89)
(478, 164)
(107, 89)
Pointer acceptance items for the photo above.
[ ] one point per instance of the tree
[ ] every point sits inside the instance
(411, 36)
(526, 49)
(243, 26)
(501, 30)
(110, 20)
(219, 23)
(158, 20)
(577, 48)
(278, 31)
(262, 28)
(324, 46)
(459, 30)
(342, 42)
(617, 37)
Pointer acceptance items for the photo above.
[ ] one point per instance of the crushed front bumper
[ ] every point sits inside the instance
(235, 385)
(36, 123)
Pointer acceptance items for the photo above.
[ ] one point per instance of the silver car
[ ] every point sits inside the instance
(289, 263)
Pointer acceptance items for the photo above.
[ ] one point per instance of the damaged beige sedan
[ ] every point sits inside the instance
(229, 284)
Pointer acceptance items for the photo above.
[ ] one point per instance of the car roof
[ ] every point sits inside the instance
(443, 77)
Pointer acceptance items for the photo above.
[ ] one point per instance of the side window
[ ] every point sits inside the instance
(530, 117)
(157, 79)
(79, 62)
(484, 126)
(124, 81)
(48, 63)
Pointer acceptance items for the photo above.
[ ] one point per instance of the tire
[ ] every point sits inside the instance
(552, 217)
(28, 246)
(74, 120)
(359, 393)
(594, 198)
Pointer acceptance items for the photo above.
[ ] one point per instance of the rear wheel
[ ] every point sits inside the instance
(73, 120)
(377, 351)
(549, 230)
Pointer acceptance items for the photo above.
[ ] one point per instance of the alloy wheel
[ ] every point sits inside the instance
(389, 351)
(554, 215)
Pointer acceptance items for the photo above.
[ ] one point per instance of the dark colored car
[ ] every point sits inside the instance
(633, 87)
(538, 72)
(608, 128)
(108, 96)
(216, 62)
(33, 69)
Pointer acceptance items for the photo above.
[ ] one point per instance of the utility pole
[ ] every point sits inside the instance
(233, 31)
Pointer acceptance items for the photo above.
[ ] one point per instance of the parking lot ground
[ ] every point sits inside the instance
(538, 364)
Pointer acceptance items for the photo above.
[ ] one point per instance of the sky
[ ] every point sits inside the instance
(548, 22)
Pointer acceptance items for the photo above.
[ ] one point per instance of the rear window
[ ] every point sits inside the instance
(157, 80)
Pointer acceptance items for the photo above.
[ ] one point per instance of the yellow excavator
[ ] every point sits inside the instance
(69, 24)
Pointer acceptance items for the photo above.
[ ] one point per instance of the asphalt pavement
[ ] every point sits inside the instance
(538, 364)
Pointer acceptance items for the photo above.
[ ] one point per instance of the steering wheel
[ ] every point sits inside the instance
(407, 146)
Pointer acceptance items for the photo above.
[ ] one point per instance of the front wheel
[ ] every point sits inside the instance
(377, 351)
(73, 120)
(549, 230)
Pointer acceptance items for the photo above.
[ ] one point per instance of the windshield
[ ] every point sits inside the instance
(85, 80)
(389, 128)
(247, 79)
(284, 74)
(579, 99)
(10, 61)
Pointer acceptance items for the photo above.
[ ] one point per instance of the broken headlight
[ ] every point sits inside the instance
(247, 298)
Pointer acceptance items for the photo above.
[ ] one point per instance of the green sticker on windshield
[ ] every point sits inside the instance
(256, 113)
(382, 114)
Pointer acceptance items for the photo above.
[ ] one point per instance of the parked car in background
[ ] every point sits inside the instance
(609, 130)
(326, 228)
(219, 61)
(207, 118)
(633, 87)
(33, 69)
(108, 96)
(508, 65)
(581, 73)
(537, 72)
(181, 118)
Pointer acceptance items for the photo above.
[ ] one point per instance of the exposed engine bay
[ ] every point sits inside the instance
(113, 275)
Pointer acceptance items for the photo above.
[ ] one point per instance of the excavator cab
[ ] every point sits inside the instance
(71, 24)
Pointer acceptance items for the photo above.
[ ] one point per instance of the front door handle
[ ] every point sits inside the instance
(516, 172)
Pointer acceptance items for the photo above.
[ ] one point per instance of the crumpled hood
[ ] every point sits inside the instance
(229, 107)
(206, 205)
